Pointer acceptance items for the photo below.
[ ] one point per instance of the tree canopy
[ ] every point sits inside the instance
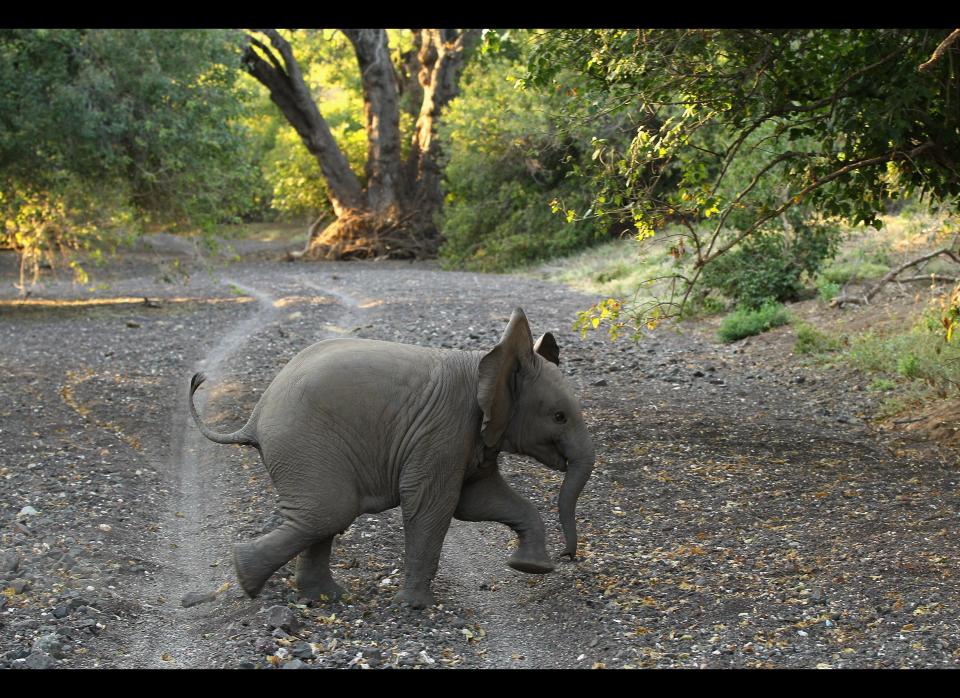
(107, 126)
(758, 132)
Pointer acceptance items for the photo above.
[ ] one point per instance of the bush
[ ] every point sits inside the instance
(507, 162)
(810, 340)
(767, 266)
(826, 290)
(922, 356)
(746, 322)
(839, 274)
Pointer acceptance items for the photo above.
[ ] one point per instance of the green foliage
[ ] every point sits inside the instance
(507, 161)
(845, 272)
(107, 128)
(293, 185)
(755, 132)
(810, 340)
(746, 322)
(826, 290)
(766, 266)
(882, 385)
(922, 356)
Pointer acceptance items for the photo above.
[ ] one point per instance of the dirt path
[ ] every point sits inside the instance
(742, 513)
(192, 524)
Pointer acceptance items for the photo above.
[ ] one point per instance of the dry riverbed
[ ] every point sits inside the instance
(743, 512)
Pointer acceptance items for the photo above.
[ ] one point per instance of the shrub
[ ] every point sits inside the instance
(810, 340)
(845, 272)
(509, 167)
(826, 290)
(746, 322)
(767, 266)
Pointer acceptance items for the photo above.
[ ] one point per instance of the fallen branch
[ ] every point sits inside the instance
(839, 301)
(932, 278)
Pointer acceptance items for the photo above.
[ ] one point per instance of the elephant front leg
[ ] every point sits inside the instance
(313, 572)
(426, 519)
(490, 498)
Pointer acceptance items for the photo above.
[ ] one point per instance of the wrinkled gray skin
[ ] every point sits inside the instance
(353, 426)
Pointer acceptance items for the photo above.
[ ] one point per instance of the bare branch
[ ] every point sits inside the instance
(799, 196)
(940, 50)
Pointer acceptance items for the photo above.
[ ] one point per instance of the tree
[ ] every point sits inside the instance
(390, 212)
(764, 132)
(104, 129)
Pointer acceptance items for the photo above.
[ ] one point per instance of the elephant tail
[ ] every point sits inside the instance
(242, 436)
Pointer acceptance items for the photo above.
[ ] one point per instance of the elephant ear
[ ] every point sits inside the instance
(547, 347)
(496, 387)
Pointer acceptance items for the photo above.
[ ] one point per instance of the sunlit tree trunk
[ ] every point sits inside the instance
(394, 215)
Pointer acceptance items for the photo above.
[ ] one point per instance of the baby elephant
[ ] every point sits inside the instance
(353, 426)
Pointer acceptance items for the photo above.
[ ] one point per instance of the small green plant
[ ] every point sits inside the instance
(908, 366)
(845, 272)
(810, 340)
(827, 290)
(882, 385)
(744, 322)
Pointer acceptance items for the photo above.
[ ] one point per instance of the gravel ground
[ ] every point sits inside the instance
(743, 512)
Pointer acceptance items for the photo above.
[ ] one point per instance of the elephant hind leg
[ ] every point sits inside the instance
(313, 572)
(257, 560)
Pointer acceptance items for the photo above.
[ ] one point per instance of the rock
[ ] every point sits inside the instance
(246, 665)
(799, 380)
(600, 383)
(49, 644)
(77, 603)
(39, 660)
(303, 650)
(28, 511)
(283, 617)
(294, 664)
(195, 598)
(372, 657)
(20, 585)
(133, 323)
(265, 646)
(9, 561)
(18, 653)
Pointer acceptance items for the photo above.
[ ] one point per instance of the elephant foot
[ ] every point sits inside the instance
(250, 569)
(530, 565)
(320, 589)
(415, 598)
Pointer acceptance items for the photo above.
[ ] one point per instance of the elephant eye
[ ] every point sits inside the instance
(559, 417)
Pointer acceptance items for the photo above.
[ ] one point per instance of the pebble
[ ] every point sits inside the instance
(49, 644)
(20, 585)
(9, 561)
(195, 598)
(600, 383)
(303, 650)
(39, 660)
(294, 664)
(283, 617)
(28, 511)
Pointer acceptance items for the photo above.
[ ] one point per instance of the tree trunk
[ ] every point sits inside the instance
(394, 216)
(382, 110)
(291, 94)
(442, 57)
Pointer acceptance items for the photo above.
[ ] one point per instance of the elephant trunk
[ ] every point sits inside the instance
(578, 472)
